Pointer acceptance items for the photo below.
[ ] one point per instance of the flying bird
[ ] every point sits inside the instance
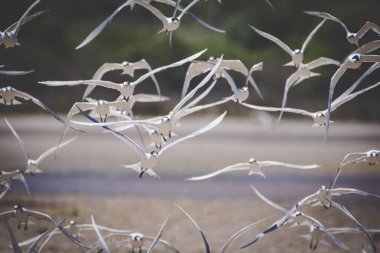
(352, 38)
(297, 54)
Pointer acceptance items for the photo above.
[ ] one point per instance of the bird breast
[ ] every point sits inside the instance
(9, 40)
(149, 162)
(297, 58)
(172, 25)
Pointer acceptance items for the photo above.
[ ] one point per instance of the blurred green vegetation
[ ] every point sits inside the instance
(48, 47)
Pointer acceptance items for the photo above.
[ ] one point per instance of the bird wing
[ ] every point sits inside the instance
(158, 236)
(274, 39)
(235, 167)
(44, 236)
(185, 99)
(172, 65)
(26, 20)
(357, 223)
(311, 35)
(204, 129)
(207, 248)
(106, 67)
(341, 100)
(370, 58)
(20, 141)
(368, 47)
(53, 149)
(144, 98)
(230, 81)
(143, 64)
(100, 27)
(366, 27)
(326, 15)
(36, 101)
(276, 109)
(23, 17)
(15, 245)
(344, 191)
(100, 237)
(195, 69)
(153, 10)
(289, 165)
(321, 61)
(15, 72)
(268, 201)
(241, 231)
(256, 67)
(187, 8)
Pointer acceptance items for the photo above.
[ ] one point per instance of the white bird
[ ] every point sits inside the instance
(317, 230)
(169, 24)
(201, 67)
(371, 157)
(23, 215)
(352, 38)
(128, 68)
(254, 167)
(164, 124)
(14, 72)
(9, 94)
(303, 72)
(131, 3)
(148, 161)
(322, 197)
(297, 54)
(320, 117)
(353, 61)
(32, 165)
(126, 89)
(9, 36)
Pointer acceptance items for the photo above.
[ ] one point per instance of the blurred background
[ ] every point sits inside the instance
(48, 47)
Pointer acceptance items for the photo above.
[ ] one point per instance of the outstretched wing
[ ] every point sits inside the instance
(326, 15)
(20, 141)
(311, 35)
(289, 165)
(23, 17)
(235, 167)
(366, 27)
(100, 28)
(195, 69)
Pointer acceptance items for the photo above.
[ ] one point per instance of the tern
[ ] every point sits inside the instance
(8, 97)
(352, 38)
(9, 36)
(254, 167)
(23, 215)
(128, 68)
(164, 124)
(371, 157)
(131, 3)
(32, 165)
(320, 117)
(170, 24)
(126, 89)
(317, 229)
(148, 160)
(200, 67)
(353, 61)
(321, 197)
(303, 72)
(297, 54)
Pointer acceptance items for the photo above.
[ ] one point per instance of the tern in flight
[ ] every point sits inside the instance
(353, 61)
(9, 94)
(23, 216)
(372, 157)
(254, 167)
(126, 89)
(320, 117)
(7, 176)
(303, 72)
(297, 54)
(32, 165)
(131, 3)
(322, 197)
(128, 68)
(201, 67)
(352, 38)
(9, 36)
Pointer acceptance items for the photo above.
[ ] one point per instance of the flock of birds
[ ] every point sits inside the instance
(160, 131)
